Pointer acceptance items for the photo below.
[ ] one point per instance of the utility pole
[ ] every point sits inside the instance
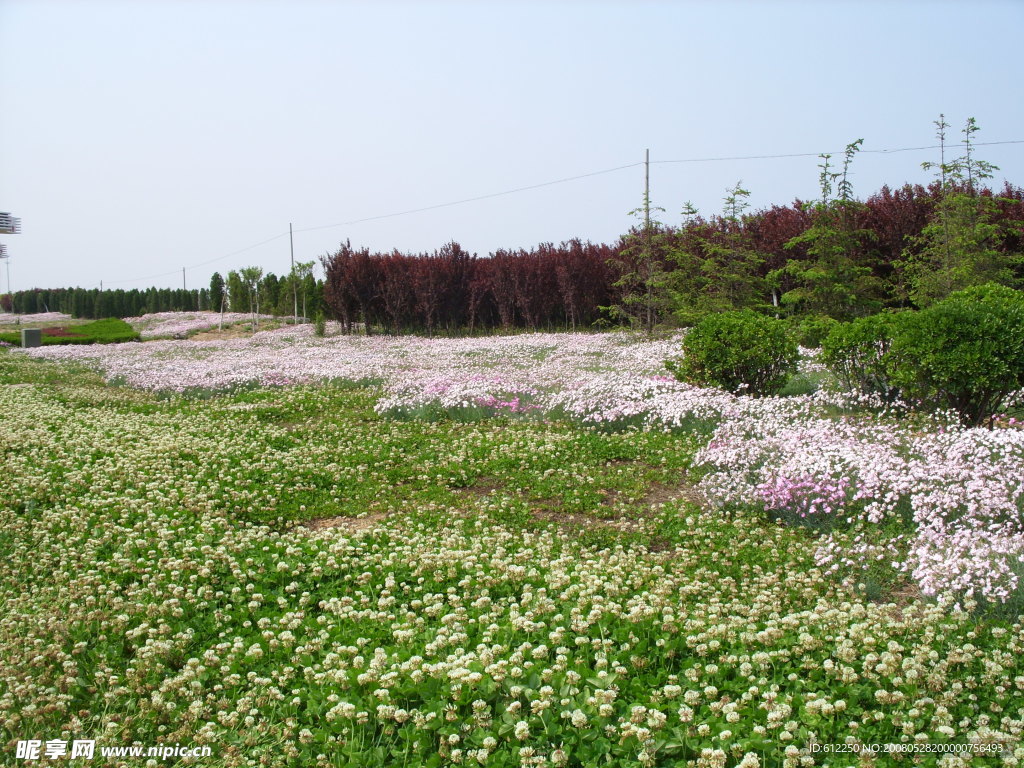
(183, 279)
(647, 190)
(295, 287)
(647, 237)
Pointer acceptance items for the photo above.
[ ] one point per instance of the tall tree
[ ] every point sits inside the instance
(644, 295)
(959, 246)
(719, 266)
(238, 296)
(831, 280)
(302, 274)
(217, 292)
(251, 277)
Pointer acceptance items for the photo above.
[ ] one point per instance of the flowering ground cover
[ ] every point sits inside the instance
(539, 551)
(897, 495)
(32, 320)
(180, 325)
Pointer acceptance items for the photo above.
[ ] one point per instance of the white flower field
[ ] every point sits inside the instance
(532, 550)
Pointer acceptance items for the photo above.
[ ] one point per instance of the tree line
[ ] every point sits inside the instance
(836, 257)
(840, 259)
(246, 290)
(451, 290)
(96, 303)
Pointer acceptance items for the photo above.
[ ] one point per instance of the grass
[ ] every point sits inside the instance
(108, 331)
(530, 585)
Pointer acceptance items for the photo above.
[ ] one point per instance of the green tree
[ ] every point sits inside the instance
(270, 290)
(717, 269)
(238, 296)
(251, 277)
(217, 292)
(302, 274)
(644, 284)
(959, 247)
(830, 281)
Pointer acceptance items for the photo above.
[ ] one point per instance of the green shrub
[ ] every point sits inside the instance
(857, 353)
(810, 330)
(965, 353)
(738, 351)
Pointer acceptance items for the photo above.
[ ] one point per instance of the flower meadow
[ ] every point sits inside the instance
(532, 550)
(180, 325)
(8, 318)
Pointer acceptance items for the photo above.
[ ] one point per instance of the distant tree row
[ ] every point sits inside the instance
(243, 291)
(451, 291)
(249, 290)
(835, 257)
(94, 303)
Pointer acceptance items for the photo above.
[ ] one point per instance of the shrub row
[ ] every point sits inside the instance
(964, 354)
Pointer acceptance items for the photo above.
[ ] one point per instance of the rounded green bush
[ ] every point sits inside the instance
(742, 352)
(857, 353)
(811, 330)
(965, 353)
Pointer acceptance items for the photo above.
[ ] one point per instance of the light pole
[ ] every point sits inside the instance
(6, 258)
(9, 225)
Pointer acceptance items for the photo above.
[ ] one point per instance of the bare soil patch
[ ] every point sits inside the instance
(233, 332)
(897, 601)
(568, 519)
(663, 493)
(348, 523)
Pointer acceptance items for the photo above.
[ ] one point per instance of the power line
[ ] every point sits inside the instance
(240, 250)
(546, 184)
(383, 216)
(819, 154)
(203, 263)
(470, 199)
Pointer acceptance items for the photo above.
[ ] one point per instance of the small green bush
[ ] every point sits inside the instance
(965, 353)
(857, 353)
(742, 352)
(810, 330)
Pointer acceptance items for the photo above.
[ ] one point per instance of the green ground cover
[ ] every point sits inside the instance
(495, 592)
(108, 331)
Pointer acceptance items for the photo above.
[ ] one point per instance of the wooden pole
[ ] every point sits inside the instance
(295, 287)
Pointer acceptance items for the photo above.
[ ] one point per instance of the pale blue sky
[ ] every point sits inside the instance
(137, 138)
